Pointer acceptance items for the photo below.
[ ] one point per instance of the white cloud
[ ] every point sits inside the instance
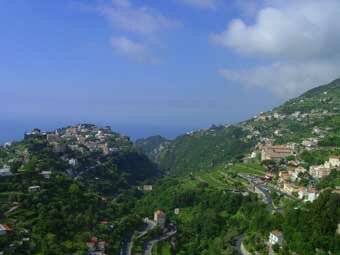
(141, 22)
(286, 80)
(125, 16)
(209, 4)
(299, 38)
(125, 46)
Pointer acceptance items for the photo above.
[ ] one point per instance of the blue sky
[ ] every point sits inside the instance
(164, 67)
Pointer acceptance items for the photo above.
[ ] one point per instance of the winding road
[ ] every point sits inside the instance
(127, 244)
(149, 245)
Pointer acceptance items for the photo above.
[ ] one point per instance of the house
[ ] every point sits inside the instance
(147, 187)
(268, 176)
(310, 142)
(275, 237)
(4, 229)
(319, 172)
(277, 152)
(295, 172)
(34, 188)
(101, 246)
(334, 161)
(253, 155)
(284, 176)
(5, 172)
(94, 247)
(312, 194)
(160, 218)
(73, 162)
(46, 174)
(302, 193)
(308, 195)
(290, 188)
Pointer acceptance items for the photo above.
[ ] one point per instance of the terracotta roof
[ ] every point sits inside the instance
(93, 239)
(6, 227)
(160, 213)
(277, 233)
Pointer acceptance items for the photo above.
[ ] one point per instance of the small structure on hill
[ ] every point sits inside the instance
(34, 188)
(4, 229)
(147, 187)
(160, 218)
(275, 237)
(46, 174)
(5, 172)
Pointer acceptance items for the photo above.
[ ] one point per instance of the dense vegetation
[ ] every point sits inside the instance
(211, 220)
(205, 149)
(61, 217)
(95, 197)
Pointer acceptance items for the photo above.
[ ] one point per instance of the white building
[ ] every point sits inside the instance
(4, 229)
(34, 188)
(5, 172)
(275, 237)
(46, 174)
(253, 155)
(73, 162)
(334, 161)
(312, 195)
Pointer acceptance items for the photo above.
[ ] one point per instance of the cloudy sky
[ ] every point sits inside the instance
(166, 67)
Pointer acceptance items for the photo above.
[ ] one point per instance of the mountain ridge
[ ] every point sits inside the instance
(303, 113)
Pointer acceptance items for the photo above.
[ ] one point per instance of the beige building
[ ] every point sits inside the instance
(319, 172)
(277, 152)
(147, 187)
(334, 161)
(290, 188)
(160, 218)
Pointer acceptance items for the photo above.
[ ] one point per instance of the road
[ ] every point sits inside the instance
(127, 243)
(147, 250)
(238, 242)
(257, 184)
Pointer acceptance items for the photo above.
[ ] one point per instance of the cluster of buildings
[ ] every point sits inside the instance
(322, 171)
(288, 179)
(297, 115)
(84, 137)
